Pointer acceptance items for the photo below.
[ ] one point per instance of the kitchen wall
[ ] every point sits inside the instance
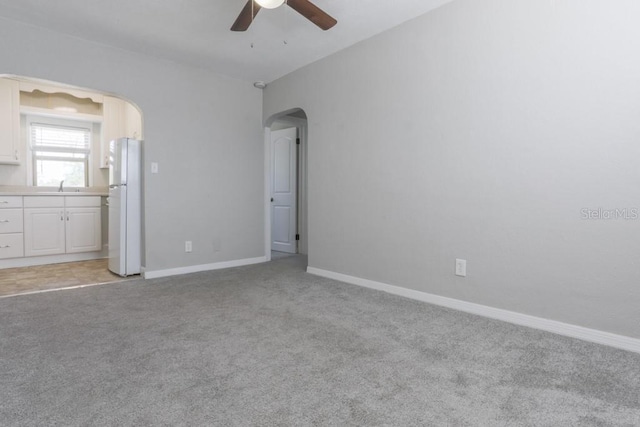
(18, 175)
(202, 129)
(98, 177)
(482, 131)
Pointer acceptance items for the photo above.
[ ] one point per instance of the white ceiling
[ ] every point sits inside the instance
(197, 31)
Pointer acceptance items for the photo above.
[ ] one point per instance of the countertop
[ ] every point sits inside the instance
(47, 193)
(31, 191)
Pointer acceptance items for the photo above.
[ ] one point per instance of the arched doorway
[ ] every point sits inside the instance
(286, 172)
(83, 122)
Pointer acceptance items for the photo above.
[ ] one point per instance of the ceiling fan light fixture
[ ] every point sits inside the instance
(304, 7)
(270, 4)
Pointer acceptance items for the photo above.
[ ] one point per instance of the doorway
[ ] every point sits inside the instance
(40, 109)
(286, 184)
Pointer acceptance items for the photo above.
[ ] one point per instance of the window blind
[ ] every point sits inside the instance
(47, 137)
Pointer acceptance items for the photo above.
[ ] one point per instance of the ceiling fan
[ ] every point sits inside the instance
(304, 7)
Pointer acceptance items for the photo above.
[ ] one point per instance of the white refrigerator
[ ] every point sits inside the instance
(125, 206)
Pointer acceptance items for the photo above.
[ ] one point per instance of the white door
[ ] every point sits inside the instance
(83, 230)
(283, 190)
(44, 231)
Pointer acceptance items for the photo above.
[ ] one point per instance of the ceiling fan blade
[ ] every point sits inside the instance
(313, 13)
(249, 11)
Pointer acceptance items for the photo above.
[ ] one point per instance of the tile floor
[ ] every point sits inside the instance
(15, 281)
(21, 280)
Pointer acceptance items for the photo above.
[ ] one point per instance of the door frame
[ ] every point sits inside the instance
(302, 219)
(284, 200)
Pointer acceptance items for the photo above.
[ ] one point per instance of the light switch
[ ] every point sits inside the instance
(461, 267)
(154, 167)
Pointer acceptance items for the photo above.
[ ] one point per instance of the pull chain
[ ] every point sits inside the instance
(252, 16)
(286, 21)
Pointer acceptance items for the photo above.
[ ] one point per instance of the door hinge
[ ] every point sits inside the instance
(298, 141)
(297, 237)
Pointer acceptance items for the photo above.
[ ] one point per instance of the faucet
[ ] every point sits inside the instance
(60, 188)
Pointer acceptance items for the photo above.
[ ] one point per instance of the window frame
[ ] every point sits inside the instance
(64, 122)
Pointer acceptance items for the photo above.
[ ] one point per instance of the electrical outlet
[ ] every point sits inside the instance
(188, 247)
(216, 244)
(461, 267)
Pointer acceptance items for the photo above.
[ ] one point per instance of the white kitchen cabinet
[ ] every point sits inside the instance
(113, 126)
(120, 119)
(83, 230)
(44, 231)
(84, 224)
(58, 225)
(10, 221)
(11, 226)
(9, 121)
(133, 122)
(11, 245)
(43, 225)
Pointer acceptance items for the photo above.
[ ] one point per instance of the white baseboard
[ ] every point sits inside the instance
(560, 328)
(153, 274)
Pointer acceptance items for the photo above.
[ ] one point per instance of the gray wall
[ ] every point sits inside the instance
(204, 131)
(480, 131)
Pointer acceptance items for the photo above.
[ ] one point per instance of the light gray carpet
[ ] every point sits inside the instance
(271, 345)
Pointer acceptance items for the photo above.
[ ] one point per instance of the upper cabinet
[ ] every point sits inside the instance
(112, 125)
(120, 120)
(9, 121)
(132, 121)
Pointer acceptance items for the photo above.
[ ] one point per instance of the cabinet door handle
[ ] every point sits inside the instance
(5, 246)
(4, 202)
(17, 158)
(61, 216)
(4, 220)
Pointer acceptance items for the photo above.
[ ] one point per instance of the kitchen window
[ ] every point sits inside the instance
(60, 152)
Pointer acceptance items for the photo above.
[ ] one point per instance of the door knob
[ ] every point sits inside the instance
(272, 199)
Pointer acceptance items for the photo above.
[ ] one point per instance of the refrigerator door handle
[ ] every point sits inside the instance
(114, 186)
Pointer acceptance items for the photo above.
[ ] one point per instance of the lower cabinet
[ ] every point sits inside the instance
(57, 225)
(44, 231)
(11, 246)
(83, 230)
(11, 240)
